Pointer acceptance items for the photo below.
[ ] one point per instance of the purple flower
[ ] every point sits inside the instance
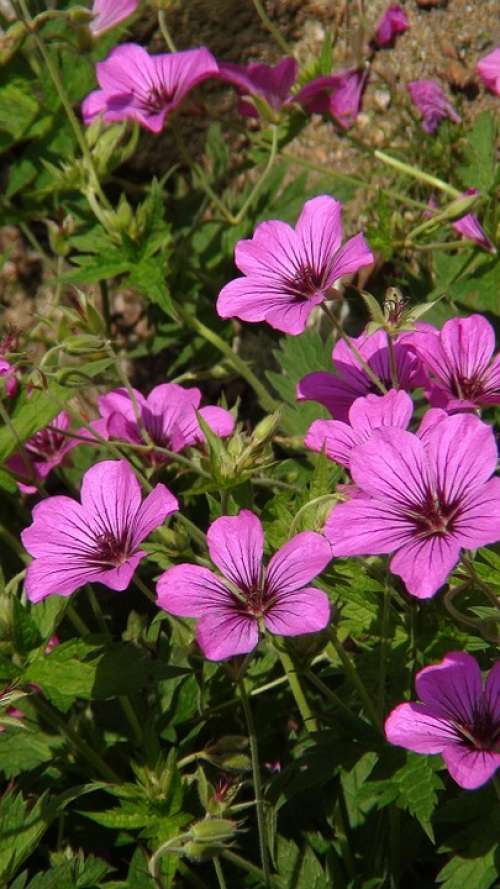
(289, 271)
(270, 83)
(432, 103)
(463, 373)
(394, 21)
(423, 501)
(97, 540)
(108, 13)
(168, 415)
(8, 373)
(137, 86)
(337, 94)
(470, 227)
(488, 69)
(231, 608)
(337, 391)
(46, 449)
(458, 717)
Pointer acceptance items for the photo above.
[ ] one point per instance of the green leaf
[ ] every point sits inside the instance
(31, 414)
(298, 867)
(478, 171)
(22, 750)
(148, 276)
(479, 291)
(18, 110)
(462, 872)
(21, 829)
(26, 634)
(296, 357)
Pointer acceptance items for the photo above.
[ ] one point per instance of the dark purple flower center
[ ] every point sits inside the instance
(110, 549)
(45, 444)
(483, 733)
(156, 99)
(468, 388)
(434, 516)
(155, 427)
(305, 283)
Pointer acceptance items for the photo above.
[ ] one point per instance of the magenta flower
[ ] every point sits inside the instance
(137, 86)
(168, 415)
(97, 540)
(337, 391)
(458, 718)
(337, 94)
(46, 449)
(425, 502)
(8, 373)
(289, 271)
(393, 22)
(432, 103)
(270, 83)
(231, 608)
(470, 227)
(463, 373)
(108, 13)
(488, 69)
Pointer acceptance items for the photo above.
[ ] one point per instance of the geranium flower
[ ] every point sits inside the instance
(8, 373)
(432, 103)
(289, 271)
(463, 373)
(108, 13)
(337, 94)
(231, 608)
(138, 86)
(168, 415)
(269, 83)
(488, 69)
(470, 227)
(97, 540)
(393, 22)
(337, 391)
(425, 502)
(458, 718)
(47, 449)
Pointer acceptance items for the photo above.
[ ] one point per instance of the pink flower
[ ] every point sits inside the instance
(337, 94)
(458, 717)
(470, 227)
(47, 449)
(289, 271)
(432, 103)
(463, 373)
(394, 21)
(488, 69)
(425, 502)
(137, 86)
(168, 415)
(337, 391)
(95, 541)
(13, 713)
(8, 373)
(108, 13)
(231, 608)
(270, 83)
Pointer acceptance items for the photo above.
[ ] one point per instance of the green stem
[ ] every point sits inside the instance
(165, 33)
(415, 173)
(442, 245)
(327, 692)
(259, 801)
(260, 181)
(144, 589)
(354, 350)
(13, 543)
(192, 530)
(219, 872)
(322, 499)
(78, 623)
(266, 21)
(25, 455)
(171, 845)
(106, 311)
(305, 711)
(352, 675)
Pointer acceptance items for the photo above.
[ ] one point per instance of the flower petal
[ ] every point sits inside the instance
(55, 576)
(297, 562)
(59, 526)
(119, 578)
(111, 497)
(417, 727)
(364, 526)
(190, 591)
(220, 420)
(392, 465)
(468, 344)
(319, 230)
(336, 393)
(470, 768)
(296, 612)
(292, 317)
(374, 411)
(335, 438)
(273, 252)
(225, 633)
(425, 564)
(153, 511)
(236, 545)
(492, 692)
(452, 688)
(463, 454)
(478, 522)
(352, 256)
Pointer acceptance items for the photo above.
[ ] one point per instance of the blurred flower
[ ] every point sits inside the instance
(488, 69)
(470, 227)
(13, 713)
(336, 94)
(138, 86)
(463, 373)
(394, 21)
(168, 416)
(109, 13)
(231, 608)
(46, 450)
(95, 541)
(458, 718)
(289, 271)
(423, 502)
(432, 103)
(8, 373)
(270, 83)
(349, 381)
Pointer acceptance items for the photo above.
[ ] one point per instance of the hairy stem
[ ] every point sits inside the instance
(354, 350)
(353, 676)
(305, 711)
(259, 801)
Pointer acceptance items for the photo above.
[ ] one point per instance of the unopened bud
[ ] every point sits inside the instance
(213, 830)
(266, 428)
(82, 344)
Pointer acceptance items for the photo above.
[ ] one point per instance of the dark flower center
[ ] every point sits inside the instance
(305, 283)
(156, 99)
(434, 516)
(468, 388)
(110, 550)
(255, 600)
(155, 427)
(483, 733)
(46, 443)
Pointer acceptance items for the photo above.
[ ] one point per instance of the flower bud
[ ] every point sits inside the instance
(213, 830)
(11, 41)
(266, 428)
(83, 344)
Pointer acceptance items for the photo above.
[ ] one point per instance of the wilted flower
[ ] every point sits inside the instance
(46, 450)
(394, 21)
(336, 94)
(470, 227)
(337, 391)
(425, 502)
(167, 415)
(8, 374)
(463, 373)
(97, 540)
(432, 103)
(230, 609)
(270, 83)
(146, 88)
(488, 69)
(289, 271)
(458, 718)
(108, 13)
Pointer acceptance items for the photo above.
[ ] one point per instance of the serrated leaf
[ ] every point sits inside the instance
(26, 634)
(478, 171)
(22, 750)
(460, 873)
(417, 784)
(296, 357)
